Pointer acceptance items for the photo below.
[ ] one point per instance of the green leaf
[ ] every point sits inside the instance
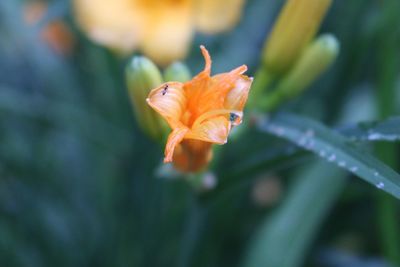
(387, 130)
(283, 238)
(335, 148)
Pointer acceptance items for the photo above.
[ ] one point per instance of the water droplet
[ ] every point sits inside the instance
(302, 141)
(322, 153)
(310, 144)
(380, 185)
(354, 169)
(376, 174)
(332, 157)
(342, 164)
(374, 136)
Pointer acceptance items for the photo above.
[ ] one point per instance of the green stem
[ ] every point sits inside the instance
(273, 99)
(191, 232)
(262, 80)
(388, 56)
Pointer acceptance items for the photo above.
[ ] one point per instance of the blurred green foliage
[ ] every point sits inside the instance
(78, 183)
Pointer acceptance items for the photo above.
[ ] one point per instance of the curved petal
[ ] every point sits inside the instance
(214, 16)
(213, 97)
(116, 24)
(196, 88)
(200, 81)
(213, 130)
(237, 96)
(169, 30)
(174, 139)
(169, 100)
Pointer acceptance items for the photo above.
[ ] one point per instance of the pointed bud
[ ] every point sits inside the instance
(142, 76)
(177, 72)
(316, 58)
(296, 26)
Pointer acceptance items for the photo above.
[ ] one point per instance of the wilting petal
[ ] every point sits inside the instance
(169, 100)
(169, 30)
(214, 130)
(114, 23)
(174, 139)
(237, 97)
(217, 15)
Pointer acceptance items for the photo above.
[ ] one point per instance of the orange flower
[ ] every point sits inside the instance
(55, 33)
(201, 112)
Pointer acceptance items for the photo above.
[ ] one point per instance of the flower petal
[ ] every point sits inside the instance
(214, 16)
(192, 155)
(237, 96)
(174, 139)
(169, 100)
(117, 24)
(198, 85)
(200, 81)
(213, 130)
(213, 96)
(169, 30)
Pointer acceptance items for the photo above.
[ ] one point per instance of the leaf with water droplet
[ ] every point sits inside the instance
(387, 130)
(338, 149)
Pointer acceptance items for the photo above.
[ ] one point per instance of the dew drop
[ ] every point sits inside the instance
(380, 185)
(354, 169)
(302, 141)
(322, 153)
(310, 144)
(374, 136)
(332, 157)
(342, 164)
(376, 174)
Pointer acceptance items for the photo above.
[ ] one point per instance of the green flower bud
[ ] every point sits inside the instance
(315, 59)
(142, 75)
(295, 27)
(177, 72)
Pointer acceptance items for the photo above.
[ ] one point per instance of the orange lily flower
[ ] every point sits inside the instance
(201, 112)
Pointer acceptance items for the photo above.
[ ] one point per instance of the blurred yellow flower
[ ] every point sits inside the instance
(296, 26)
(161, 29)
(201, 112)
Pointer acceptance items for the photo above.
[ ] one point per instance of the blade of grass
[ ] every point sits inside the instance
(386, 130)
(333, 147)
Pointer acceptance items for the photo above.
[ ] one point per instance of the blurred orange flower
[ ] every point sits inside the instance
(201, 112)
(56, 33)
(161, 29)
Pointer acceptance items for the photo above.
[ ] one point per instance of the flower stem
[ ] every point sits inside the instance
(262, 80)
(389, 68)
